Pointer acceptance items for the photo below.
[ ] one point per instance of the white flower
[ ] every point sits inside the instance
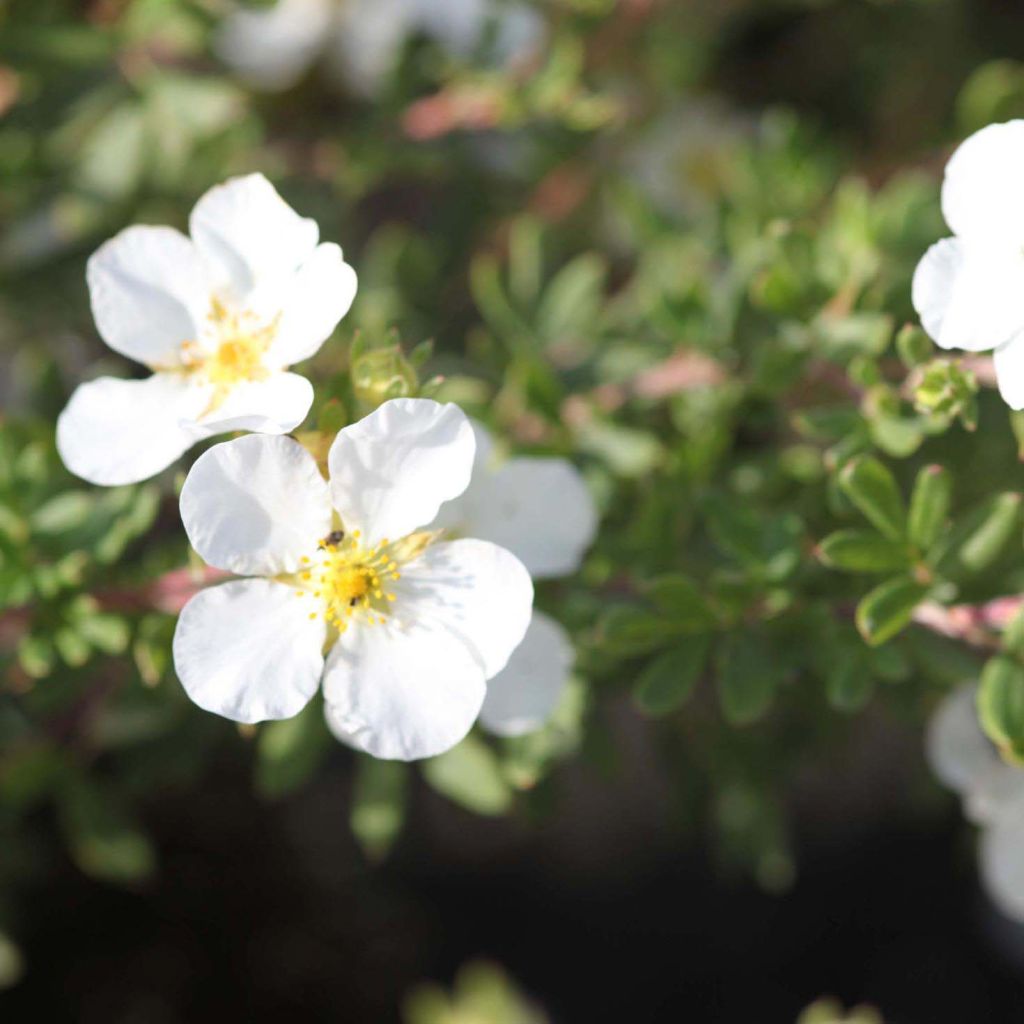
(217, 317)
(969, 289)
(992, 791)
(363, 39)
(413, 626)
(539, 509)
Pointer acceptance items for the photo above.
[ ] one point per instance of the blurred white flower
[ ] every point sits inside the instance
(362, 40)
(539, 509)
(969, 289)
(217, 317)
(963, 758)
(413, 626)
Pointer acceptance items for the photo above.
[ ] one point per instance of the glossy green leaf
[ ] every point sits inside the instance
(929, 506)
(872, 488)
(1001, 705)
(863, 551)
(888, 609)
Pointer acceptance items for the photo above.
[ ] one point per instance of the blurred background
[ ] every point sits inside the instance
(611, 218)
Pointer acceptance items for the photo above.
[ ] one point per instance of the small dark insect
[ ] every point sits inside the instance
(352, 602)
(333, 538)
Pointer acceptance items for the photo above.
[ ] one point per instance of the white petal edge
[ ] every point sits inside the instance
(247, 650)
(476, 590)
(249, 235)
(391, 471)
(311, 305)
(271, 48)
(1001, 860)
(115, 432)
(402, 691)
(255, 505)
(969, 295)
(958, 752)
(981, 191)
(525, 693)
(368, 40)
(537, 508)
(276, 405)
(1008, 360)
(149, 293)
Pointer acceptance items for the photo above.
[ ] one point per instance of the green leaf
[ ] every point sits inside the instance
(677, 597)
(62, 513)
(290, 750)
(872, 488)
(103, 840)
(748, 677)
(848, 684)
(1013, 635)
(470, 776)
(627, 630)
(863, 551)
(668, 681)
(572, 299)
(929, 505)
(1001, 705)
(887, 609)
(378, 804)
(976, 542)
(913, 346)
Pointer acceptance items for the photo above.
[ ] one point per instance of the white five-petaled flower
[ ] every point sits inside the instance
(969, 289)
(538, 508)
(964, 759)
(413, 626)
(362, 39)
(217, 317)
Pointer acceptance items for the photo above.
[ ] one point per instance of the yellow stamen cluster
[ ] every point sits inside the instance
(350, 579)
(243, 341)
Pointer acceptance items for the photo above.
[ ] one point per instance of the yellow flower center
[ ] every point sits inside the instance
(242, 343)
(350, 579)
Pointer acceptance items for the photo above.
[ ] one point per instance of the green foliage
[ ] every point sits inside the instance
(707, 314)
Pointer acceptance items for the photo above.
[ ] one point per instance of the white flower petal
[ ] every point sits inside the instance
(116, 432)
(249, 235)
(538, 508)
(478, 591)
(1001, 861)
(523, 695)
(981, 192)
(276, 405)
(402, 691)
(272, 47)
(1008, 360)
(391, 471)
(255, 505)
(249, 651)
(969, 295)
(958, 752)
(459, 26)
(149, 293)
(368, 41)
(316, 297)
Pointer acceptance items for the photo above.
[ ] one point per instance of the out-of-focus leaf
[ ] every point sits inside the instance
(748, 677)
(469, 775)
(668, 681)
(378, 804)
